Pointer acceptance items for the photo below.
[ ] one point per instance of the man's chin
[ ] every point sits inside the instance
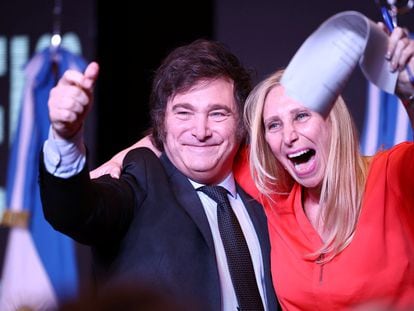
(205, 174)
(202, 170)
(203, 153)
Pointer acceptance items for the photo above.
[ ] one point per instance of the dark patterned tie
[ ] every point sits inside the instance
(237, 252)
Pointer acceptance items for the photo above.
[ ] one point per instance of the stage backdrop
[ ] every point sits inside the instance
(25, 27)
(25, 30)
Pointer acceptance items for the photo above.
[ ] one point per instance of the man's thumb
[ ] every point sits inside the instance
(90, 75)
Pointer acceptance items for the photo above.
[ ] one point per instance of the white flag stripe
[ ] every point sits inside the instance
(401, 124)
(25, 280)
(26, 128)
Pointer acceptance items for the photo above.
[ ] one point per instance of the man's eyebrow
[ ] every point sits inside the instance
(186, 105)
(219, 106)
(182, 105)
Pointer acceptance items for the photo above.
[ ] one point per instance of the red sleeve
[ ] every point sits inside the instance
(242, 174)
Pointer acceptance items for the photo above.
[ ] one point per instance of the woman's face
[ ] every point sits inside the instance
(298, 137)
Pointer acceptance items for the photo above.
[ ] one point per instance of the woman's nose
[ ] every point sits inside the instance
(289, 134)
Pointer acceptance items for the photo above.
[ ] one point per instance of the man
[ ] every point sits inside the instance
(152, 225)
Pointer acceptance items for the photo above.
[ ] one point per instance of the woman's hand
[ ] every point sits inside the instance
(113, 167)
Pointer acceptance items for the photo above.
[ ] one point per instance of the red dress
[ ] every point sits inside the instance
(377, 266)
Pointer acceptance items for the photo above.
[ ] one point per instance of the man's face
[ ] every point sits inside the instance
(200, 128)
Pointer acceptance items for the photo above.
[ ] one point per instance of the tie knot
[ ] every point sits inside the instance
(217, 193)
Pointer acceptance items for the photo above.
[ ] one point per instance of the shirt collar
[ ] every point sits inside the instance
(228, 183)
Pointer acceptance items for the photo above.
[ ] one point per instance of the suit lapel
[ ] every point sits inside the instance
(188, 199)
(258, 218)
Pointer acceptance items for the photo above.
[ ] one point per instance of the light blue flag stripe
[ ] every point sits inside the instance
(386, 122)
(57, 252)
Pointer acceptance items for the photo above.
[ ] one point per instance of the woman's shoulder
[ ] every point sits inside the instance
(396, 161)
(395, 152)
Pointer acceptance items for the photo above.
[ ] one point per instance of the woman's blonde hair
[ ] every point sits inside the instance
(346, 170)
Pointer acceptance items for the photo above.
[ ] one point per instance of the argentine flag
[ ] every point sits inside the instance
(386, 122)
(40, 264)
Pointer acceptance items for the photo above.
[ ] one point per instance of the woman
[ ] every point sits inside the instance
(341, 225)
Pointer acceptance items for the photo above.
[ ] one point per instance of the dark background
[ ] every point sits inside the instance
(129, 39)
(131, 44)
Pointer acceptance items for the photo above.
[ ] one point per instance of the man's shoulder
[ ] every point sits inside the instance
(143, 159)
(141, 155)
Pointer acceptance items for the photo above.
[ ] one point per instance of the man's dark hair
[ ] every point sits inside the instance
(187, 65)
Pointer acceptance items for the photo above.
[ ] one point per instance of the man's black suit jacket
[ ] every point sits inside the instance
(149, 226)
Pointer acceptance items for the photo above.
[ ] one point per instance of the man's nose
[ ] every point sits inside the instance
(201, 128)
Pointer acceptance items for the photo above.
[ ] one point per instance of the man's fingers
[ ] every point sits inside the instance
(71, 77)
